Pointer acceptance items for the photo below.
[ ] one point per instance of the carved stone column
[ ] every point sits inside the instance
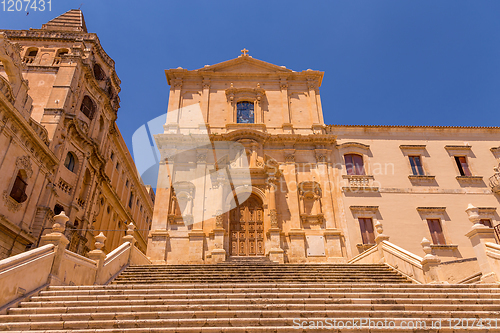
(219, 253)
(205, 97)
(311, 85)
(276, 253)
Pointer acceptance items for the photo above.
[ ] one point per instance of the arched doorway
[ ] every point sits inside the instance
(247, 228)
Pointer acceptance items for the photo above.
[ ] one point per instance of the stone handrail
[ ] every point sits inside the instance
(392, 255)
(416, 268)
(115, 262)
(404, 261)
(24, 273)
(493, 250)
(52, 264)
(366, 257)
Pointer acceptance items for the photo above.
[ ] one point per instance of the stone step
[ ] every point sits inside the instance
(199, 323)
(221, 290)
(249, 314)
(273, 329)
(255, 279)
(369, 286)
(254, 273)
(436, 305)
(399, 299)
(252, 295)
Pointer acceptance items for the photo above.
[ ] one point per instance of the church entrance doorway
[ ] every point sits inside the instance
(247, 228)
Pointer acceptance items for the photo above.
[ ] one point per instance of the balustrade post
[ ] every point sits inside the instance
(60, 242)
(98, 255)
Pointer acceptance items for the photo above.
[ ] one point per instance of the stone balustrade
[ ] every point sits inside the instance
(52, 264)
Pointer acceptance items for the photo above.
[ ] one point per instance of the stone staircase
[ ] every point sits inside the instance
(259, 298)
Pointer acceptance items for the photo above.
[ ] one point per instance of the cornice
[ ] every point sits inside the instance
(67, 36)
(335, 127)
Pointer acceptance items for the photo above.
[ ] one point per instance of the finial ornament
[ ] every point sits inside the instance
(244, 52)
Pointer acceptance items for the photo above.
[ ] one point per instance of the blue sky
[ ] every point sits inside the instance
(402, 62)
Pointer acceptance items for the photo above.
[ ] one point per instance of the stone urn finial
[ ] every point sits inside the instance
(473, 214)
(426, 246)
(60, 222)
(380, 233)
(99, 241)
(130, 229)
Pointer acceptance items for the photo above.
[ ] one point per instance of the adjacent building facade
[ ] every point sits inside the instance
(60, 147)
(304, 191)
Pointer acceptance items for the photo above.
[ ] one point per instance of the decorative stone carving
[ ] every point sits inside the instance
(273, 214)
(11, 204)
(201, 158)
(310, 202)
(219, 220)
(24, 163)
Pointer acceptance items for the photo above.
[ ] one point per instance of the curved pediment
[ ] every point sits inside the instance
(245, 134)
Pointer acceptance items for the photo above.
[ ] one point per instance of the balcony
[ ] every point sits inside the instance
(495, 182)
(359, 183)
(28, 60)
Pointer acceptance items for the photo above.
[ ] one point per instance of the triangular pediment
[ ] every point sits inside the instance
(245, 64)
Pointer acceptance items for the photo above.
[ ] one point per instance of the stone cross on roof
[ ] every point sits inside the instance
(244, 52)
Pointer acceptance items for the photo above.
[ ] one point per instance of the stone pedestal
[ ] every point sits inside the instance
(297, 252)
(333, 238)
(276, 253)
(196, 239)
(218, 253)
(157, 246)
(479, 235)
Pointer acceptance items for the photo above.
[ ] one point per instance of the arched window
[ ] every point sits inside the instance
(62, 52)
(70, 162)
(98, 72)
(354, 164)
(32, 52)
(244, 113)
(18, 191)
(88, 107)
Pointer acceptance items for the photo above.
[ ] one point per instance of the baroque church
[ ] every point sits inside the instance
(265, 219)
(307, 192)
(60, 147)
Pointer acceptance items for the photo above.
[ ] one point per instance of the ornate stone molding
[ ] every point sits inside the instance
(11, 204)
(273, 214)
(24, 163)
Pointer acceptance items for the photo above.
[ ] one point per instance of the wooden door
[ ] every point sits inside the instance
(247, 229)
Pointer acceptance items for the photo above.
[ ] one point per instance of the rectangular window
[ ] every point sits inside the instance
(117, 165)
(131, 200)
(354, 164)
(462, 165)
(436, 231)
(486, 222)
(416, 165)
(366, 227)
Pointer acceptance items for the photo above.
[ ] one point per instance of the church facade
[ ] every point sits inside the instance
(249, 169)
(60, 147)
